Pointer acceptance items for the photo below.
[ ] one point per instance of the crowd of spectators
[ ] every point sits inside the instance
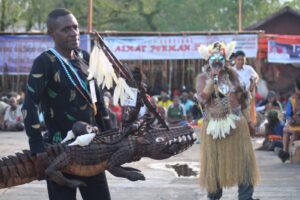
(282, 122)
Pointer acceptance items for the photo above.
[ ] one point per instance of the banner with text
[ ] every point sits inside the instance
(279, 52)
(174, 47)
(17, 52)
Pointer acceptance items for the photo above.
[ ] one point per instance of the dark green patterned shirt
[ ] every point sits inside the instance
(60, 101)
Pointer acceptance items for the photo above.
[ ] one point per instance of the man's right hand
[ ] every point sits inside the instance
(40, 165)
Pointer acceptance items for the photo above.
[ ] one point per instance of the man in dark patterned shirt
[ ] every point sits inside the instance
(58, 85)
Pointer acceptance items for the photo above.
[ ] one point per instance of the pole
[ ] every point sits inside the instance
(240, 18)
(90, 16)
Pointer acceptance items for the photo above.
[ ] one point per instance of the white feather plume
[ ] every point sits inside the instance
(101, 68)
(220, 128)
(120, 90)
(204, 51)
(83, 140)
(230, 49)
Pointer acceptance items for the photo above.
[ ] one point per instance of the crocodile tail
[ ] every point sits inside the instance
(17, 170)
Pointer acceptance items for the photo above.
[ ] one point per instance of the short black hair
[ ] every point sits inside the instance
(240, 53)
(232, 56)
(54, 14)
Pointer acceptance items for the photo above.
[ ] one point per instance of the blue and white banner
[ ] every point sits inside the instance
(17, 52)
(283, 52)
(174, 47)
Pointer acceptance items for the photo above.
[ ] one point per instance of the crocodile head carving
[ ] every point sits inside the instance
(163, 143)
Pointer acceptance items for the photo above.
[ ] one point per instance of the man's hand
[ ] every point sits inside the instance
(40, 165)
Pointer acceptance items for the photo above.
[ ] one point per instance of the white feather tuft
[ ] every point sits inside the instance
(230, 49)
(101, 68)
(204, 52)
(120, 90)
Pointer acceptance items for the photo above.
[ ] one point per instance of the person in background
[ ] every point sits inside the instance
(187, 103)
(13, 118)
(112, 115)
(291, 131)
(196, 111)
(248, 79)
(3, 107)
(273, 132)
(161, 110)
(176, 113)
(164, 100)
(116, 109)
(272, 103)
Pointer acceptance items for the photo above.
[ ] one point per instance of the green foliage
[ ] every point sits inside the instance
(143, 15)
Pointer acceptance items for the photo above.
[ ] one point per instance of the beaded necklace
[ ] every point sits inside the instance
(82, 84)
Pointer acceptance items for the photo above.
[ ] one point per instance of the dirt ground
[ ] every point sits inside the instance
(278, 181)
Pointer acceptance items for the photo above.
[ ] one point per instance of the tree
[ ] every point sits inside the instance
(10, 13)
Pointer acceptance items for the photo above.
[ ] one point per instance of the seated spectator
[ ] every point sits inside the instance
(161, 110)
(116, 109)
(291, 130)
(13, 119)
(187, 103)
(164, 100)
(112, 115)
(176, 115)
(273, 132)
(196, 111)
(272, 103)
(3, 107)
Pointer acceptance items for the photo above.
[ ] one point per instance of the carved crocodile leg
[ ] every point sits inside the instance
(53, 172)
(114, 166)
(130, 169)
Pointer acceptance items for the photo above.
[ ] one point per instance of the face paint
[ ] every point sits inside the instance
(217, 60)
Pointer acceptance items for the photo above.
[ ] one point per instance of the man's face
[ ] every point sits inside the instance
(185, 96)
(66, 33)
(176, 101)
(13, 102)
(239, 61)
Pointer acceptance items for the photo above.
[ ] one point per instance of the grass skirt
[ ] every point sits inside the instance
(227, 162)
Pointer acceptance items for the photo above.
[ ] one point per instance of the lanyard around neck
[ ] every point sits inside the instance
(63, 61)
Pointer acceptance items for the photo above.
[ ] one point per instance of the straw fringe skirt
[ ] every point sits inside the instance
(227, 162)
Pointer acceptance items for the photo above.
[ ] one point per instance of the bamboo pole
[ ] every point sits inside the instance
(240, 18)
(90, 16)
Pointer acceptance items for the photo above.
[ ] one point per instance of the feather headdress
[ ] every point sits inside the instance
(207, 51)
(101, 69)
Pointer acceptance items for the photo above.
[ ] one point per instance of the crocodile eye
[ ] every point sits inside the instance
(160, 139)
(89, 129)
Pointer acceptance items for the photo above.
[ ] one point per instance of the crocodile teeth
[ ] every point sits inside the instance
(159, 139)
(194, 136)
(189, 137)
(179, 139)
(175, 140)
(184, 138)
(170, 142)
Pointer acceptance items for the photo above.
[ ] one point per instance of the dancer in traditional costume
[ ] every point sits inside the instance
(227, 156)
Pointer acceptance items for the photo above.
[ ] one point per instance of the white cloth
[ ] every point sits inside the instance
(245, 73)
